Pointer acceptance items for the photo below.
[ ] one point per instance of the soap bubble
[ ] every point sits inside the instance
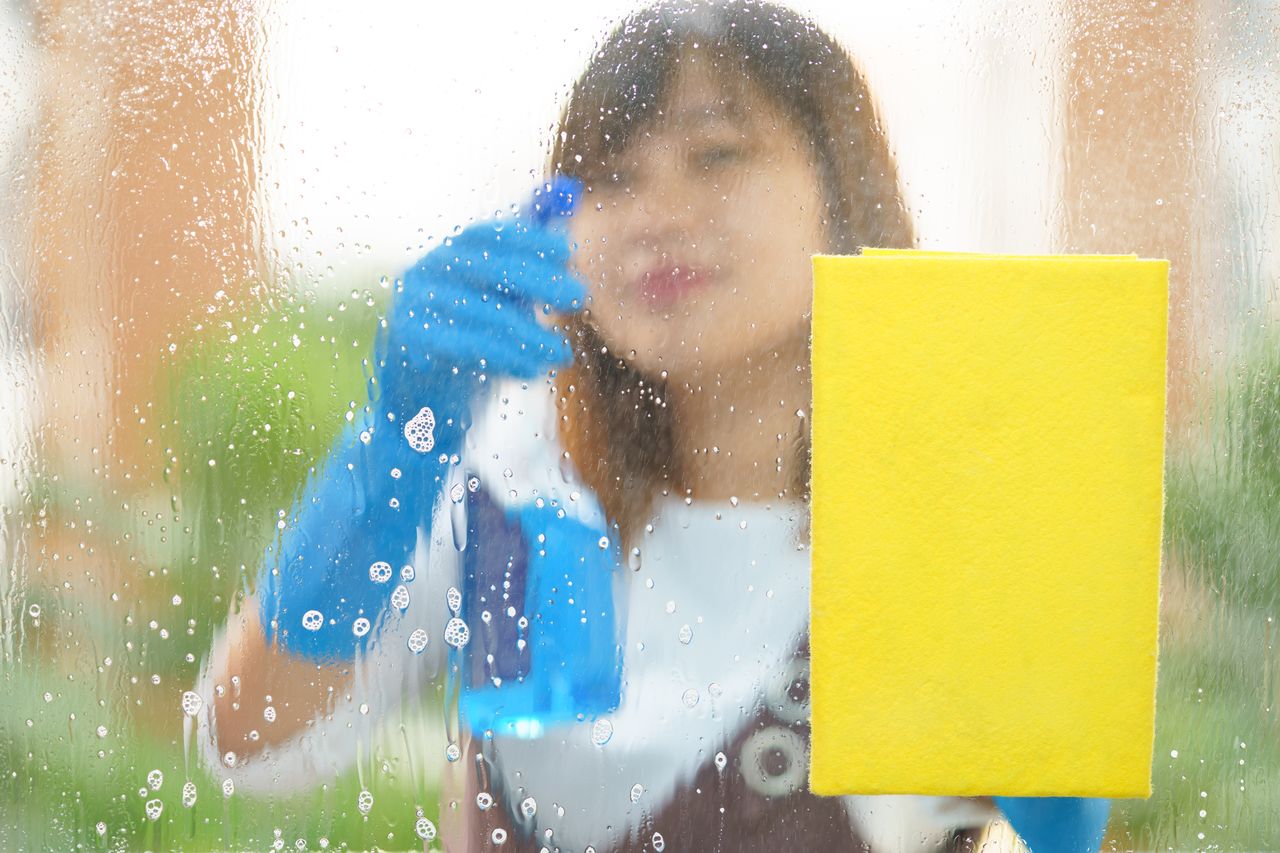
(456, 633)
(419, 430)
(191, 703)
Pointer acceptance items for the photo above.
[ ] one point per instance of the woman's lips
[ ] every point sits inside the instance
(663, 286)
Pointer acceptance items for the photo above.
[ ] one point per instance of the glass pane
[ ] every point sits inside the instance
(406, 410)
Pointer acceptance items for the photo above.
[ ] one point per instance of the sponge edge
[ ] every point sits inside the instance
(987, 497)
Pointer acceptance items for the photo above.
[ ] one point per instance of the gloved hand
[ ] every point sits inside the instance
(463, 313)
(1057, 824)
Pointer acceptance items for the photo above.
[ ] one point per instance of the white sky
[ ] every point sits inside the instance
(392, 122)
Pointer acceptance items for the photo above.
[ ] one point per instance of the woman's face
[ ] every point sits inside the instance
(697, 248)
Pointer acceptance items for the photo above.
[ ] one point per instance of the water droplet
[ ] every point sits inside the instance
(313, 620)
(360, 627)
(364, 802)
(155, 779)
(457, 493)
(604, 542)
(34, 610)
(400, 597)
(529, 807)
(454, 599)
(101, 828)
(418, 641)
(452, 752)
(458, 525)
(425, 829)
(228, 787)
(484, 800)
(722, 760)
(690, 697)
(633, 559)
(154, 808)
(189, 794)
(473, 484)
(498, 836)
(659, 843)
(686, 635)
(601, 732)
(637, 790)
(407, 573)
(380, 572)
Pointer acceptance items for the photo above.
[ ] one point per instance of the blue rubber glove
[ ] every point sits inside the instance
(1057, 824)
(464, 313)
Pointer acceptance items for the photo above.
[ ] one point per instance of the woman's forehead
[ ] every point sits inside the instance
(703, 94)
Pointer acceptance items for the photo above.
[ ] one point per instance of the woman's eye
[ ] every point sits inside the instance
(719, 155)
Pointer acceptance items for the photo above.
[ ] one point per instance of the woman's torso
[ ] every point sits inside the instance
(709, 747)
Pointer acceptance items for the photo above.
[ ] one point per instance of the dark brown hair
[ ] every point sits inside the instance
(617, 429)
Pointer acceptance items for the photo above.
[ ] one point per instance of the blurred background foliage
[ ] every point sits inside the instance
(250, 408)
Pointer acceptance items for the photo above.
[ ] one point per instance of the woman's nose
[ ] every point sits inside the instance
(666, 217)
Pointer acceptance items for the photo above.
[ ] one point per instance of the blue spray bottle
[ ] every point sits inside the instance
(560, 661)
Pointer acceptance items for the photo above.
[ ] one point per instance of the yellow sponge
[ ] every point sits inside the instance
(988, 457)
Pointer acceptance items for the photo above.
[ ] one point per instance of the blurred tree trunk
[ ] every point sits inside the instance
(146, 214)
(1129, 181)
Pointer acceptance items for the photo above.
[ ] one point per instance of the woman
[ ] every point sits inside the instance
(618, 548)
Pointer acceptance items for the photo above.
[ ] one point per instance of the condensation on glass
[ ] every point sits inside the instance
(313, 537)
